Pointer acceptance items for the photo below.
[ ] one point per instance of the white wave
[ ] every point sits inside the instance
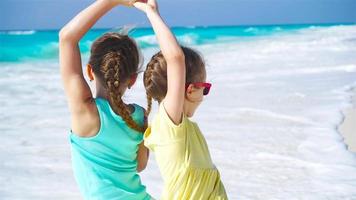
(251, 30)
(186, 39)
(258, 115)
(30, 32)
(148, 39)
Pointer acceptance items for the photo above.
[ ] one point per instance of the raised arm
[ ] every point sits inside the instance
(77, 90)
(174, 56)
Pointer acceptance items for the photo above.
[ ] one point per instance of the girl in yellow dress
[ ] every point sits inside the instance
(175, 77)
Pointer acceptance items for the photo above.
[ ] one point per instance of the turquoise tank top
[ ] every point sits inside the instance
(105, 165)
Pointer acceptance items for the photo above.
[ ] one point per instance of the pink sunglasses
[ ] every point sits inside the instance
(206, 86)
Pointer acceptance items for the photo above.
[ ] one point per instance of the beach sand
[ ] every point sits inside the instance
(348, 127)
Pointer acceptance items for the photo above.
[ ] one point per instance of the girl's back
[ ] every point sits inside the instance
(106, 135)
(108, 160)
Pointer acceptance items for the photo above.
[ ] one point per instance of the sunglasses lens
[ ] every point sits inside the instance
(206, 90)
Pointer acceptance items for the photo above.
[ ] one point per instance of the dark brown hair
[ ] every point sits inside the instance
(155, 76)
(114, 59)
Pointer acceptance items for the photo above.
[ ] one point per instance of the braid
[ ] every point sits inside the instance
(149, 104)
(111, 69)
(148, 84)
(155, 80)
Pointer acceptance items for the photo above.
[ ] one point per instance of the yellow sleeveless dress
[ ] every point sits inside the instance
(184, 160)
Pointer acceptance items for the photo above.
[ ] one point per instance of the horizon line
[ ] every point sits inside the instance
(200, 26)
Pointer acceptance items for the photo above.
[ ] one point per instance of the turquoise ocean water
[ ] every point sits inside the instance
(18, 46)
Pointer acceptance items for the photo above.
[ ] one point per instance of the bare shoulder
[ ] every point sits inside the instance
(86, 123)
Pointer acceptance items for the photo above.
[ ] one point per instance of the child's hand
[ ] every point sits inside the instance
(146, 5)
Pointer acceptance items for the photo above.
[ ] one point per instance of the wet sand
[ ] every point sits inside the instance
(348, 127)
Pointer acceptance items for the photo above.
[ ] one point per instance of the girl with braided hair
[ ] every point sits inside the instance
(106, 135)
(175, 77)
